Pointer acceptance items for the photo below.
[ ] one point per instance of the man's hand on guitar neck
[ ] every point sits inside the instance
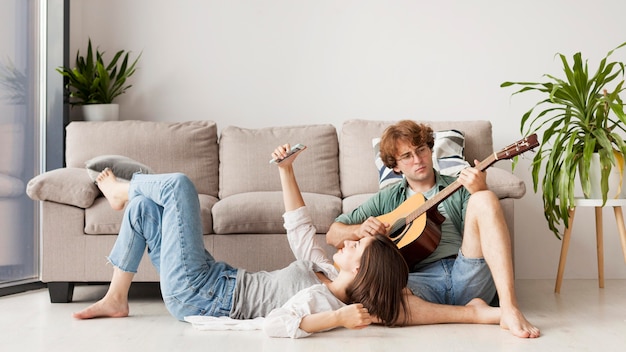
(473, 179)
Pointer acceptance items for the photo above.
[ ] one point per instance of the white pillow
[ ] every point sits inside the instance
(448, 157)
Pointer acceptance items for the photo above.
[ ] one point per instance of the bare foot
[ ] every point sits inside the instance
(104, 308)
(484, 313)
(116, 192)
(514, 321)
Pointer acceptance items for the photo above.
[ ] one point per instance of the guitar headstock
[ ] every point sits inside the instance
(519, 147)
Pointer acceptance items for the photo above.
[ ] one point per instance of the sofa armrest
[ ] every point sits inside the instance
(65, 185)
(505, 184)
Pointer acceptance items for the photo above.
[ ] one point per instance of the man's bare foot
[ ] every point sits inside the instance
(104, 308)
(116, 192)
(484, 313)
(514, 321)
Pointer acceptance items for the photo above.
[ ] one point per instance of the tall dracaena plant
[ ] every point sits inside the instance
(578, 115)
(92, 81)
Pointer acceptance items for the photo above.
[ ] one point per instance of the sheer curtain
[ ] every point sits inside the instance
(25, 116)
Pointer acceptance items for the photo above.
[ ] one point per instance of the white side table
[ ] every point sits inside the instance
(597, 204)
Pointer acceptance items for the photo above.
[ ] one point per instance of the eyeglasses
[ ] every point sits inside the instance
(419, 152)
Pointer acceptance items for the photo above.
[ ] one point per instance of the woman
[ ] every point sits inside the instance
(163, 214)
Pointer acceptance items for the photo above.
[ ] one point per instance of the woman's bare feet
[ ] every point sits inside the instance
(104, 308)
(114, 304)
(514, 321)
(115, 191)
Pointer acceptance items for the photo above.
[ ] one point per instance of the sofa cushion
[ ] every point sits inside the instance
(449, 152)
(261, 212)
(245, 155)
(188, 147)
(101, 219)
(358, 172)
(69, 185)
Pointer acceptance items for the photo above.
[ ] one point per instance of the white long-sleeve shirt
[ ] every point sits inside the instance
(285, 321)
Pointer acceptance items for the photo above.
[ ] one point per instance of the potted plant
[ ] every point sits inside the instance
(578, 116)
(13, 81)
(93, 82)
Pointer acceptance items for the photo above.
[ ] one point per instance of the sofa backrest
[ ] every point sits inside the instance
(358, 172)
(188, 147)
(245, 155)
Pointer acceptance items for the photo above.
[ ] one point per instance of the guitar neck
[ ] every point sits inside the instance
(448, 191)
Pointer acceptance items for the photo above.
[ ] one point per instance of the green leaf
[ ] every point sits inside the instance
(94, 81)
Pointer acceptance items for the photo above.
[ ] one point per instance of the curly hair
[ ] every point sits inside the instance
(383, 274)
(405, 130)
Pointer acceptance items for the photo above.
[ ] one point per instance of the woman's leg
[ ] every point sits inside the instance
(163, 212)
(181, 246)
(192, 282)
(141, 216)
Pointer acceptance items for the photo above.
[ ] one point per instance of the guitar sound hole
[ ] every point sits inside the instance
(397, 229)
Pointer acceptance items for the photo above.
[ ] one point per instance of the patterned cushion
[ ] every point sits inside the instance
(448, 152)
(448, 157)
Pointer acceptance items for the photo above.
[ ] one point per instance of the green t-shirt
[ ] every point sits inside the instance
(389, 198)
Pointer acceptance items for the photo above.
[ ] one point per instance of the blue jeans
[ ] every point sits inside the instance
(163, 213)
(453, 281)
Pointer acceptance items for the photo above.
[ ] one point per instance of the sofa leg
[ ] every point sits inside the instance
(60, 292)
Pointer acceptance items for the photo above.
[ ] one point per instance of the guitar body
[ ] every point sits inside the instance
(415, 239)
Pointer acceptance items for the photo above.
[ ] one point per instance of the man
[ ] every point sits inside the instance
(474, 235)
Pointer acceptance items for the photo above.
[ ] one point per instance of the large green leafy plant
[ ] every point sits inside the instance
(92, 81)
(578, 115)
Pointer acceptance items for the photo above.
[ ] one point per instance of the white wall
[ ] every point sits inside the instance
(282, 62)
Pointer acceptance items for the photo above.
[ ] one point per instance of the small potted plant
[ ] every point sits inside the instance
(13, 81)
(94, 84)
(579, 116)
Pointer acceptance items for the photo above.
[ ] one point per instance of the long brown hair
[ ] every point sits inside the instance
(405, 130)
(380, 281)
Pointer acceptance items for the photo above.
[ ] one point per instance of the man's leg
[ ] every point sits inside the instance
(475, 312)
(486, 236)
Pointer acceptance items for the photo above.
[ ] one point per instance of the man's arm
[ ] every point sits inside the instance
(339, 232)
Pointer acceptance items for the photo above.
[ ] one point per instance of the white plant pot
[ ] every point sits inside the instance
(101, 112)
(616, 190)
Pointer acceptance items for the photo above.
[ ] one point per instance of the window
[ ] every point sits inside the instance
(32, 36)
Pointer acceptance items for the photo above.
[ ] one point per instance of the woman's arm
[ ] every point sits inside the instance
(354, 316)
(292, 197)
(300, 229)
(312, 310)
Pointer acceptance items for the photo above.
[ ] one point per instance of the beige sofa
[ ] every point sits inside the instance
(239, 189)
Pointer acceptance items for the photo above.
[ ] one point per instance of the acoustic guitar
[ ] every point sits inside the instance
(416, 223)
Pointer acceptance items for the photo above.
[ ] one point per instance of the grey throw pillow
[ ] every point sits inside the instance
(122, 167)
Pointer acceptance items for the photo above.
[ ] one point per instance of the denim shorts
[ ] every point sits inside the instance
(453, 281)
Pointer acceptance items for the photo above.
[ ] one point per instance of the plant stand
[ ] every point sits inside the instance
(597, 204)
